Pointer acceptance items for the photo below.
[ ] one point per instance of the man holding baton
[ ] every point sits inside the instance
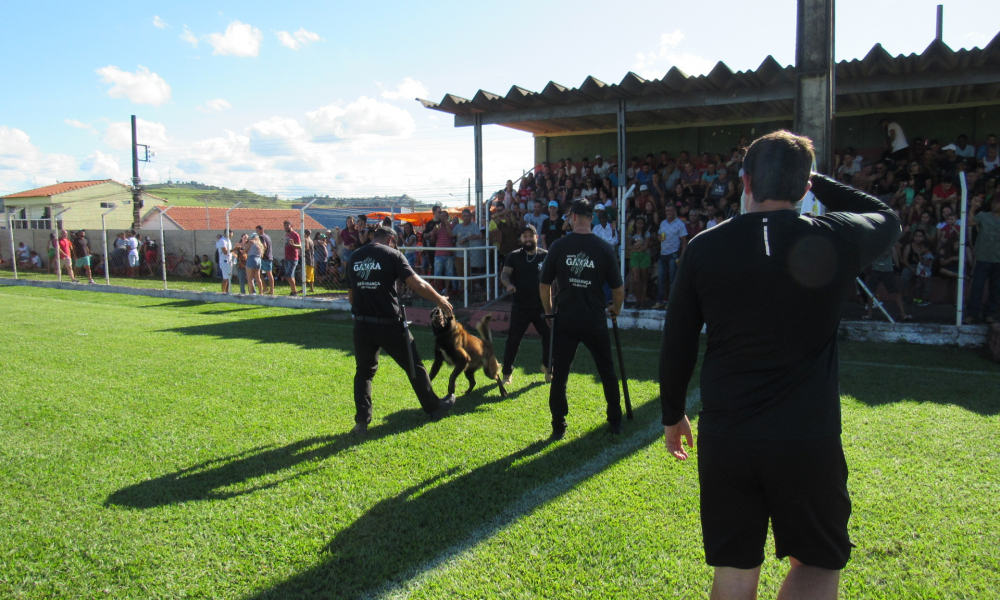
(582, 263)
(520, 278)
(769, 285)
(372, 273)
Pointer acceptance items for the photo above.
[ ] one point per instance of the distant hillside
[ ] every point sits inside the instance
(404, 201)
(196, 194)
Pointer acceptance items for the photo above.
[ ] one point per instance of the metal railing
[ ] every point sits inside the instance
(490, 274)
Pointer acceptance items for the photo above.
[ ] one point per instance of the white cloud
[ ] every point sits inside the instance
(189, 37)
(103, 165)
(240, 39)
(408, 89)
(118, 135)
(655, 64)
(298, 39)
(364, 119)
(78, 124)
(217, 105)
(24, 166)
(141, 87)
(159, 23)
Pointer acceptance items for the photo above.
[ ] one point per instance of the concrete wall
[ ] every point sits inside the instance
(858, 131)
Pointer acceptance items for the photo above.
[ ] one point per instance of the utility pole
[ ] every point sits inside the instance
(815, 78)
(136, 190)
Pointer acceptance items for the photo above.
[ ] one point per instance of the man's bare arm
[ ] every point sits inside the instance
(545, 290)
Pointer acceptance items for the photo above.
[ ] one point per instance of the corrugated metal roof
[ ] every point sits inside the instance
(879, 81)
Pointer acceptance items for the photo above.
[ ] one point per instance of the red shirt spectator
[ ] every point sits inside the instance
(291, 252)
(64, 247)
(443, 238)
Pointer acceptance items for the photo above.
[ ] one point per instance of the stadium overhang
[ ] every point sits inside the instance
(879, 82)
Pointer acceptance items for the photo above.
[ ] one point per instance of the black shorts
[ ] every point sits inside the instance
(886, 278)
(800, 485)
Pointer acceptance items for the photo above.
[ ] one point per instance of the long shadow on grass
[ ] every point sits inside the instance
(878, 386)
(209, 480)
(443, 515)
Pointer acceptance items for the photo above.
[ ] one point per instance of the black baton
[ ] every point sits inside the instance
(409, 344)
(552, 339)
(621, 363)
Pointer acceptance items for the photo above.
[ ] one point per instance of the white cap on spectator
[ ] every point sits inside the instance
(951, 147)
(599, 206)
(598, 156)
(643, 188)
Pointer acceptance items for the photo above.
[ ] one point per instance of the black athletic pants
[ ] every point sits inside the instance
(369, 339)
(519, 321)
(599, 343)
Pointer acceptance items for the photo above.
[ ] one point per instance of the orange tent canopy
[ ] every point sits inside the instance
(419, 218)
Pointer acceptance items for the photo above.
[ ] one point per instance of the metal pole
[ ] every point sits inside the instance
(465, 269)
(477, 138)
(815, 78)
(228, 235)
(302, 243)
(104, 243)
(622, 180)
(939, 36)
(163, 249)
(10, 230)
(963, 232)
(136, 190)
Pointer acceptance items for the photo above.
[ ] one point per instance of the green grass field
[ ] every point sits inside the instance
(166, 449)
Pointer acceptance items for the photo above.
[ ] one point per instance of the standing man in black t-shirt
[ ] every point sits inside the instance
(520, 277)
(582, 263)
(553, 227)
(81, 254)
(372, 273)
(769, 285)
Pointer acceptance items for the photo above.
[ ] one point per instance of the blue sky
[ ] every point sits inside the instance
(311, 97)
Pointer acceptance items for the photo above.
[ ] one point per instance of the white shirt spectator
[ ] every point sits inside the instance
(989, 165)
(899, 142)
(602, 170)
(608, 233)
(36, 262)
(672, 232)
(968, 152)
(133, 246)
(224, 242)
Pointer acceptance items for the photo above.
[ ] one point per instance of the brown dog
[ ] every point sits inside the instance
(456, 346)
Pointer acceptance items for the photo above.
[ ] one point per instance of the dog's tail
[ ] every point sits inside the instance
(484, 329)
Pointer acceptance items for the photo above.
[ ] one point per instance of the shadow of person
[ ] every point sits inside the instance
(434, 520)
(212, 479)
(878, 386)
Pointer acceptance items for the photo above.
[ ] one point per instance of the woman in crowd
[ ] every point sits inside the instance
(53, 244)
(240, 255)
(639, 261)
(254, 251)
(349, 237)
(926, 225)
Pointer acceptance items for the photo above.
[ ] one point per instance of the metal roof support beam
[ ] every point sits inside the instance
(622, 180)
(814, 85)
(478, 144)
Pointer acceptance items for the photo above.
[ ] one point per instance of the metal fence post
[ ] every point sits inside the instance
(963, 232)
(163, 248)
(465, 275)
(10, 230)
(104, 243)
(302, 243)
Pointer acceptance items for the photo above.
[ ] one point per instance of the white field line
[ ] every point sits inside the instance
(451, 559)
(629, 349)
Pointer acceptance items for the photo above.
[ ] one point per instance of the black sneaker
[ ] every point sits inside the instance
(616, 428)
(442, 409)
(360, 429)
(558, 432)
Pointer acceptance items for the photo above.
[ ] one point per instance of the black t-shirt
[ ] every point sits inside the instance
(582, 263)
(552, 230)
(81, 247)
(769, 286)
(525, 278)
(372, 273)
